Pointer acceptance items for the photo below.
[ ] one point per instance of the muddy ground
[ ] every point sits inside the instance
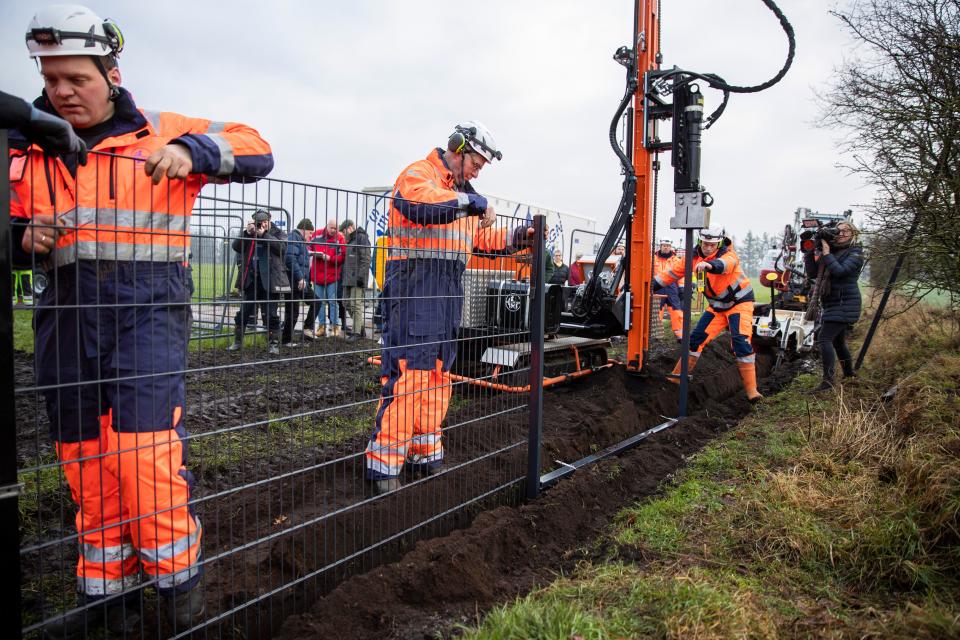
(276, 447)
(508, 551)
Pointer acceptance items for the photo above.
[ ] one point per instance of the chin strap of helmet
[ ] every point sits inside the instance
(114, 89)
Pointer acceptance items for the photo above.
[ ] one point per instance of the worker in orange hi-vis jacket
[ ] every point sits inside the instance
(730, 296)
(437, 220)
(665, 259)
(113, 324)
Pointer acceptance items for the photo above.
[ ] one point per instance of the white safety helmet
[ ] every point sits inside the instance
(712, 234)
(72, 30)
(474, 136)
(666, 241)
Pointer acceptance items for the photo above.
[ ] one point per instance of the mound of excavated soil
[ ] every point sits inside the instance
(508, 551)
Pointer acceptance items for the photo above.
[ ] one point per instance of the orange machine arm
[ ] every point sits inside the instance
(647, 47)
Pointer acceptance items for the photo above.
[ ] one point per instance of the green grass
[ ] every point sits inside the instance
(23, 330)
(230, 449)
(619, 601)
(43, 487)
(818, 516)
(212, 281)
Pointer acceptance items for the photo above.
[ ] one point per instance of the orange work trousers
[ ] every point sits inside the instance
(737, 319)
(412, 409)
(132, 494)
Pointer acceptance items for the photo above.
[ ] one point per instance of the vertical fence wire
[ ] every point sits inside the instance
(274, 431)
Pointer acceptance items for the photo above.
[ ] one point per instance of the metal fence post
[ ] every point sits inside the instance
(537, 288)
(9, 489)
(689, 285)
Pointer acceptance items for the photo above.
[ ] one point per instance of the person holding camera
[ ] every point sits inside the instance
(837, 263)
(263, 278)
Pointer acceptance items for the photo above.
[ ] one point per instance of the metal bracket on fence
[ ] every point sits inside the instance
(11, 491)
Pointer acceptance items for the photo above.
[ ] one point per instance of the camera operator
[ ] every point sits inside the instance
(836, 250)
(263, 278)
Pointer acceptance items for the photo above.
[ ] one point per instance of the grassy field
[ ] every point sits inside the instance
(209, 280)
(833, 515)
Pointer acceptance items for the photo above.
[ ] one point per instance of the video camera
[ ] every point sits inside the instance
(815, 231)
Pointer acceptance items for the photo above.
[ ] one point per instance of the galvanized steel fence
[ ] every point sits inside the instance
(248, 475)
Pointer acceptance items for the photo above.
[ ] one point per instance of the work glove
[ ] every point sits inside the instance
(522, 237)
(54, 135)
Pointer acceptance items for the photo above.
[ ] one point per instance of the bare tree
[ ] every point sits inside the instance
(897, 103)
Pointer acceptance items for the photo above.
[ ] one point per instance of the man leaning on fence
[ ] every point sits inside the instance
(436, 221)
(112, 325)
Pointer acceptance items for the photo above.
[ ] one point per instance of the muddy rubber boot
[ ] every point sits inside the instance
(76, 624)
(674, 376)
(237, 340)
(123, 617)
(184, 610)
(386, 486)
(748, 373)
(848, 370)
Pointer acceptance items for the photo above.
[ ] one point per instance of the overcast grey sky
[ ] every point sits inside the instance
(348, 93)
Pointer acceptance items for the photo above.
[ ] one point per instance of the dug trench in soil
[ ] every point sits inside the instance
(579, 419)
(507, 551)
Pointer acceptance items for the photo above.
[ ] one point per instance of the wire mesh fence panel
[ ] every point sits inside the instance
(231, 397)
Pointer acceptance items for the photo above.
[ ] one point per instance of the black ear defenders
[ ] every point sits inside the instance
(114, 36)
(459, 137)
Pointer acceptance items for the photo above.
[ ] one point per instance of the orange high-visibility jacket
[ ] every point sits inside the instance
(110, 208)
(667, 263)
(429, 218)
(726, 285)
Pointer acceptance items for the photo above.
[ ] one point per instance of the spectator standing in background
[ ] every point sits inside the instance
(576, 271)
(356, 267)
(297, 260)
(327, 250)
(561, 272)
(263, 278)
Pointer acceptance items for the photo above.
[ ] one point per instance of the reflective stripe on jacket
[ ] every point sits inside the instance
(667, 263)
(429, 218)
(110, 209)
(726, 285)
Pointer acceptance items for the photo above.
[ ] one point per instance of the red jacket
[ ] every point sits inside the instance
(327, 271)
